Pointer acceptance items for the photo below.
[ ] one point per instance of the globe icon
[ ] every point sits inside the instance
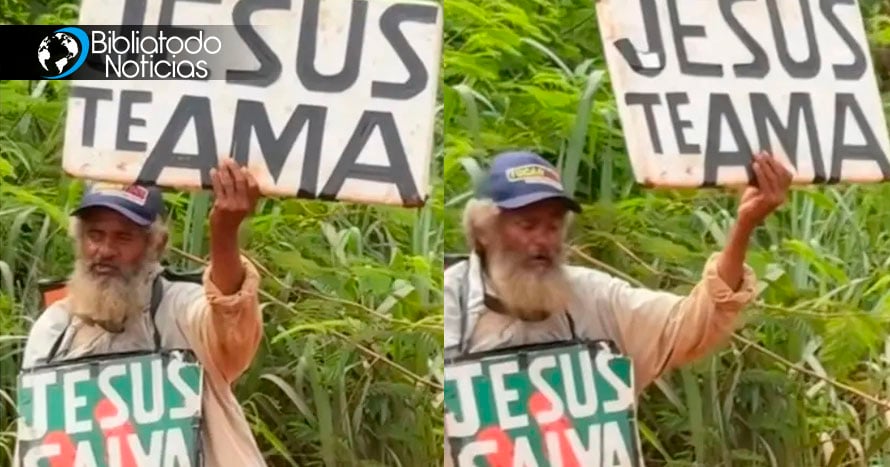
(57, 52)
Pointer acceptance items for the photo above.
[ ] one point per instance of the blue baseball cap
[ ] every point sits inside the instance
(520, 178)
(140, 204)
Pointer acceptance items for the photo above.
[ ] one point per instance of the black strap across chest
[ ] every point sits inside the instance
(492, 303)
(497, 306)
(157, 293)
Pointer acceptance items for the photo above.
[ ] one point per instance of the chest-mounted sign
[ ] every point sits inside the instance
(568, 404)
(112, 411)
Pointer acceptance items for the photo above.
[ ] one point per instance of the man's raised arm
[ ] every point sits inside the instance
(661, 330)
(228, 324)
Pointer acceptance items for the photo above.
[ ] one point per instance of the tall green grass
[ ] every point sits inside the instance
(803, 383)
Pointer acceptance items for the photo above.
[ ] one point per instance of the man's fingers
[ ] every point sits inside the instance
(253, 188)
(225, 179)
(757, 165)
(235, 187)
(785, 175)
(770, 181)
(217, 184)
(240, 182)
(781, 173)
(783, 179)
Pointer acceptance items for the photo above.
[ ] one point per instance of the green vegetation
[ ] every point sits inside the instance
(349, 371)
(529, 73)
(351, 293)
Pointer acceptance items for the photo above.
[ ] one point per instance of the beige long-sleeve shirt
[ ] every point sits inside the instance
(658, 330)
(223, 331)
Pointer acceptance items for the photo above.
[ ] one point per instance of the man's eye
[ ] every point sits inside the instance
(94, 235)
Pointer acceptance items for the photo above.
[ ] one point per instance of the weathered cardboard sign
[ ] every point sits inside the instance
(702, 85)
(570, 405)
(138, 410)
(330, 99)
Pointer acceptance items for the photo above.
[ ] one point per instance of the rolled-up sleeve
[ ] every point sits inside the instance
(662, 331)
(451, 306)
(228, 328)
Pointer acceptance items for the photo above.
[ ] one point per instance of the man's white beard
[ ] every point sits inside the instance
(530, 295)
(108, 301)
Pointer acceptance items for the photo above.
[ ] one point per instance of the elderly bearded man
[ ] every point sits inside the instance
(119, 237)
(515, 289)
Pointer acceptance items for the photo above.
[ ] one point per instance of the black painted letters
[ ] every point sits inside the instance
(653, 37)
(417, 75)
(647, 101)
(681, 32)
(760, 66)
(841, 151)
(270, 65)
(125, 120)
(190, 109)
(800, 104)
(342, 80)
(91, 96)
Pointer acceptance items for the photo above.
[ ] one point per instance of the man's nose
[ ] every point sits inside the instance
(542, 241)
(105, 250)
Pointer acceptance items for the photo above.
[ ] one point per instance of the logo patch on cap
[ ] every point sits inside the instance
(534, 173)
(133, 193)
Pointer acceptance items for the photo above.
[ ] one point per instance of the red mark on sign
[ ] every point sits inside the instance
(503, 457)
(537, 405)
(106, 409)
(66, 449)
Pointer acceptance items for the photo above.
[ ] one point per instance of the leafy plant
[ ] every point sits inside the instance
(804, 382)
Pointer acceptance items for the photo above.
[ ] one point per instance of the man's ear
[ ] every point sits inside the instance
(484, 231)
(483, 239)
(162, 244)
(478, 233)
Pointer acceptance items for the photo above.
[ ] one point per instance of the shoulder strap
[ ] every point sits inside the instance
(58, 343)
(571, 326)
(194, 276)
(157, 293)
(453, 259)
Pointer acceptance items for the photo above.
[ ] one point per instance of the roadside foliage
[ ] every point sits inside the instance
(532, 74)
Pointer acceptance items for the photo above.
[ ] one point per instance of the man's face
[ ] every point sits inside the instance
(524, 260)
(112, 246)
(534, 234)
(112, 275)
